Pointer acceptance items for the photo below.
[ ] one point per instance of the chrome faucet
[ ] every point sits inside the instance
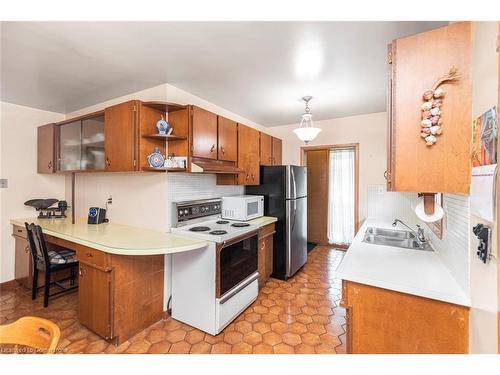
(419, 232)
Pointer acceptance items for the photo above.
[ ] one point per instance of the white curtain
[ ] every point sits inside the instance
(341, 196)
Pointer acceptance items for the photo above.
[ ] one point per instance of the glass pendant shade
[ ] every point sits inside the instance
(307, 132)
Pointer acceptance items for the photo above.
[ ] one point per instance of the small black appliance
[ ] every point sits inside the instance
(97, 215)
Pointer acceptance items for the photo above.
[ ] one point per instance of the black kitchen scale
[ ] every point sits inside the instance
(46, 208)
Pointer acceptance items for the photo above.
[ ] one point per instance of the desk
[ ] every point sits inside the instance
(121, 271)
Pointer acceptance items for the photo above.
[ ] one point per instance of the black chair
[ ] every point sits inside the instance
(49, 261)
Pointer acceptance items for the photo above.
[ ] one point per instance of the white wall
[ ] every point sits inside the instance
(483, 277)
(367, 130)
(18, 159)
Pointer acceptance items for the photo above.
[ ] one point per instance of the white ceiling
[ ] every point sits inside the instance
(259, 70)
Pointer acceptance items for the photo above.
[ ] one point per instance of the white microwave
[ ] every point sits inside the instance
(242, 207)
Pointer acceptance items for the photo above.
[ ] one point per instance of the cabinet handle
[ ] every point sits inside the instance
(108, 163)
(247, 177)
(212, 149)
(385, 174)
(80, 271)
(222, 150)
(19, 231)
(89, 254)
(253, 178)
(49, 165)
(26, 249)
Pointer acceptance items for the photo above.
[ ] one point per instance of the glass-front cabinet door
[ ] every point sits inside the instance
(93, 143)
(81, 144)
(70, 146)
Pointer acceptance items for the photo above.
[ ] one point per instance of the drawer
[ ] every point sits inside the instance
(266, 230)
(19, 231)
(92, 256)
(51, 240)
(226, 312)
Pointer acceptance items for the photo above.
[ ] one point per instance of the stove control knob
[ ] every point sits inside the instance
(203, 209)
(180, 212)
(186, 212)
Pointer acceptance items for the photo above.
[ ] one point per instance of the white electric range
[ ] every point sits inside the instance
(213, 285)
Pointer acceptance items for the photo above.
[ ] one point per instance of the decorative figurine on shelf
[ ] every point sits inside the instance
(156, 159)
(163, 127)
(170, 162)
(430, 126)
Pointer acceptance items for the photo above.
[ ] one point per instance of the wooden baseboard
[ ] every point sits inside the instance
(8, 284)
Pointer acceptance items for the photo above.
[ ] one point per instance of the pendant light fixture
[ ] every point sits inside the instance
(306, 131)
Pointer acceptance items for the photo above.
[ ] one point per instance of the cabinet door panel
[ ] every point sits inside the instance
(95, 299)
(22, 262)
(93, 143)
(120, 137)
(228, 139)
(204, 125)
(265, 149)
(70, 146)
(277, 151)
(269, 256)
(46, 149)
(248, 155)
(444, 166)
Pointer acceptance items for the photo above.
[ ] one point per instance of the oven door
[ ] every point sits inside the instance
(236, 261)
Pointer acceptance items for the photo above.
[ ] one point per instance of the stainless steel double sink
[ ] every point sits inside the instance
(398, 238)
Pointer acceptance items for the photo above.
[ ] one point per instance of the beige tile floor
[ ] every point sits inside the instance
(300, 315)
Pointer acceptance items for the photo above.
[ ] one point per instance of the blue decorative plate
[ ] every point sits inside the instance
(156, 159)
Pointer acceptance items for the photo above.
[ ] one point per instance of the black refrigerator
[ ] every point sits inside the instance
(284, 188)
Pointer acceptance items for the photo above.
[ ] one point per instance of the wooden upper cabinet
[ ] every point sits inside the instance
(416, 64)
(277, 151)
(120, 137)
(266, 149)
(227, 139)
(248, 155)
(46, 136)
(204, 132)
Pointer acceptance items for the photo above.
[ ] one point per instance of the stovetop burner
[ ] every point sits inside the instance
(199, 229)
(218, 232)
(222, 222)
(240, 225)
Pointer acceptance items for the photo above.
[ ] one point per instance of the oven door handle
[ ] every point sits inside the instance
(240, 238)
(231, 293)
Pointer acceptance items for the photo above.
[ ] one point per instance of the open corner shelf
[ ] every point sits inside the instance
(165, 137)
(164, 106)
(151, 169)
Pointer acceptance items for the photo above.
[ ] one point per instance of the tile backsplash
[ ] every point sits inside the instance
(453, 248)
(192, 186)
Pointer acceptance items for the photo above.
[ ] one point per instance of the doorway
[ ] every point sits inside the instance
(333, 190)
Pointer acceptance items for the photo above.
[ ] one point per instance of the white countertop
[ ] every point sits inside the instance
(263, 221)
(115, 238)
(416, 272)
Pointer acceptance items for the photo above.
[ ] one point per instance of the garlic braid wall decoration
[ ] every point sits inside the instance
(431, 125)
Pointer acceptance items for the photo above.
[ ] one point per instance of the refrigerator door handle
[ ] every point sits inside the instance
(294, 184)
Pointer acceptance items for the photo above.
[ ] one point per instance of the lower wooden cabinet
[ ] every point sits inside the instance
(95, 294)
(119, 295)
(22, 272)
(381, 321)
(265, 255)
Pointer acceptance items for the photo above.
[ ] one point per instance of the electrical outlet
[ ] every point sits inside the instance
(110, 200)
(3, 183)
